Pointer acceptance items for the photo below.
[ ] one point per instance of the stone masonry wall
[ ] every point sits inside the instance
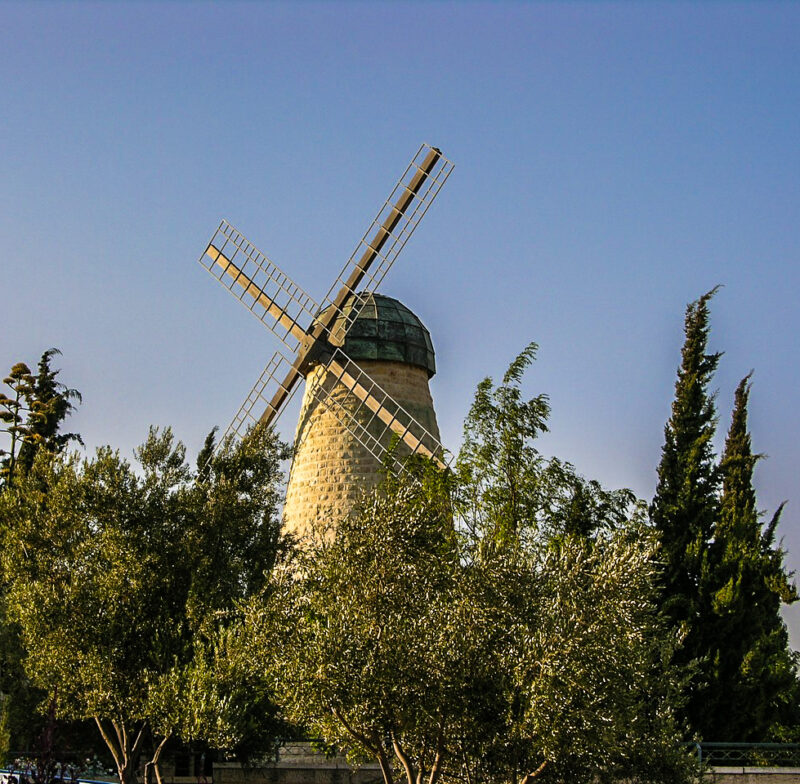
(299, 763)
(331, 470)
(740, 775)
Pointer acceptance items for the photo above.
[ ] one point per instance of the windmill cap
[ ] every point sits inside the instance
(386, 330)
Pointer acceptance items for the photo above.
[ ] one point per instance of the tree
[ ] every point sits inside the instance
(724, 576)
(566, 570)
(34, 414)
(50, 403)
(32, 417)
(686, 503)
(13, 413)
(121, 578)
(591, 692)
(465, 626)
(753, 691)
(506, 487)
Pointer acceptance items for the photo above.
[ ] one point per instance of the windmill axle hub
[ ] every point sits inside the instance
(313, 351)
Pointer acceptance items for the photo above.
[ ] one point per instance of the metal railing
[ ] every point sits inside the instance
(749, 755)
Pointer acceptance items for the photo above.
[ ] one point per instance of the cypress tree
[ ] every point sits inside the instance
(752, 692)
(723, 579)
(685, 504)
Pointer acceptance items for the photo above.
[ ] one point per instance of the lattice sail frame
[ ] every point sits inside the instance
(262, 392)
(260, 285)
(284, 307)
(380, 409)
(395, 238)
(370, 396)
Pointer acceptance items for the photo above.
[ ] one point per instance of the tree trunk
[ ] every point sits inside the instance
(408, 766)
(152, 768)
(372, 743)
(386, 768)
(125, 751)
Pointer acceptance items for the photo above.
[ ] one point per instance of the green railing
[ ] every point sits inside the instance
(755, 755)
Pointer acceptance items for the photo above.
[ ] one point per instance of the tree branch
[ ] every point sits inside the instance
(386, 767)
(122, 738)
(403, 757)
(138, 742)
(374, 745)
(531, 776)
(115, 750)
(437, 760)
(360, 737)
(152, 765)
(157, 757)
(422, 757)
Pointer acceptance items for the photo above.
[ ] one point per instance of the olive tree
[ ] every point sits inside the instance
(120, 578)
(493, 623)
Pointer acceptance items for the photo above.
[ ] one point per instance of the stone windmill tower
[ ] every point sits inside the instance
(365, 357)
(340, 440)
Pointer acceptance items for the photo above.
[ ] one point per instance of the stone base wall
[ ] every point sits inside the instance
(298, 763)
(331, 470)
(740, 775)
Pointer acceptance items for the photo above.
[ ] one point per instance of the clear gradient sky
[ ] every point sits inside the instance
(613, 162)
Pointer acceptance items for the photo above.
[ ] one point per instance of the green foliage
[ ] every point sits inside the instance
(218, 699)
(724, 576)
(591, 691)
(685, 503)
(466, 626)
(5, 731)
(13, 413)
(33, 415)
(750, 663)
(360, 635)
(20, 698)
(506, 488)
(118, 578)
(50, 404)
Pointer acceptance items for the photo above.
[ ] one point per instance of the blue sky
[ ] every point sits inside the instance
(613, 162)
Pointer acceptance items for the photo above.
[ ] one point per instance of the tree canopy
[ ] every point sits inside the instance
(496, 623)
(505, 620)
(32, 411)
(120, 578)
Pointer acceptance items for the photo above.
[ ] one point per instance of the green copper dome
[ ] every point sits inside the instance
(387, 330)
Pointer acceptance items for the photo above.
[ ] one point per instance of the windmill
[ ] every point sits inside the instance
(338, 388)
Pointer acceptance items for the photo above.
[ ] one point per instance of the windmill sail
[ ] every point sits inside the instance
(261, 403)
(376, 420)
(389, 231)
(314, 334)
(268, 292)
